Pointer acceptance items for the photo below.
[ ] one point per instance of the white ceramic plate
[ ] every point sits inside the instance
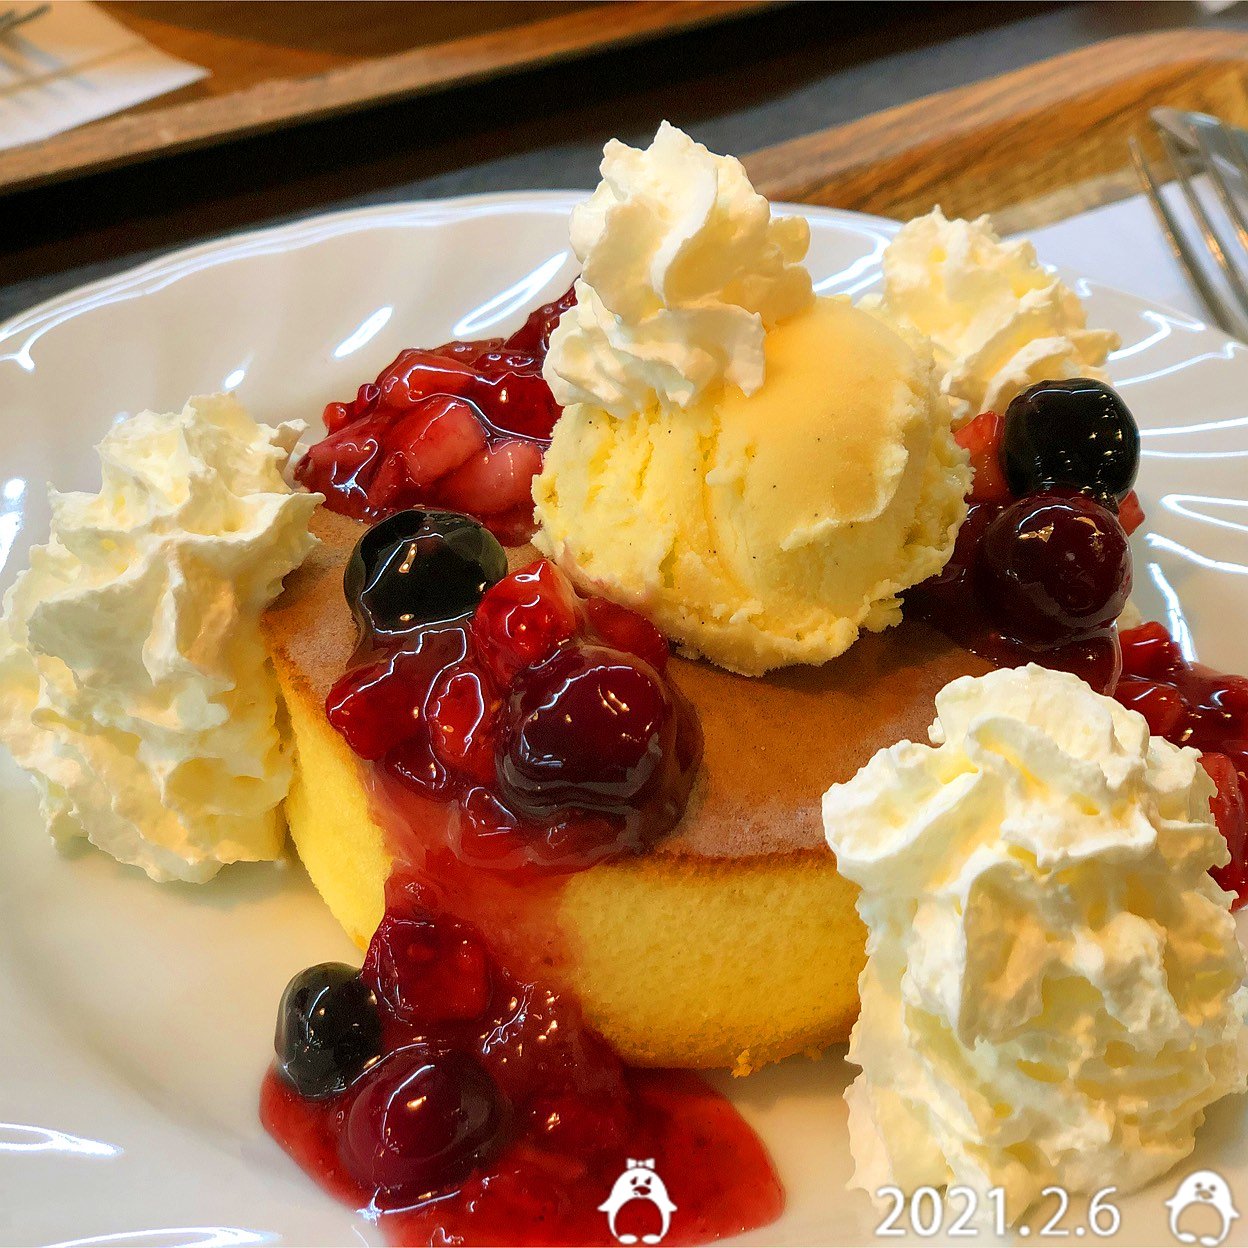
(136, 1020)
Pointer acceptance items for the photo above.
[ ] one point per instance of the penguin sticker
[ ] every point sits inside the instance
(1202, 1187)
(639, 1182)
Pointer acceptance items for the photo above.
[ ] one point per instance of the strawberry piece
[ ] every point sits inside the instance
(1230, 813)
(448, 966)
(981, 438)
(502, 475)
(1130, 513)
(626, 630)
(461, 711)
(523, 619)
(377, 706)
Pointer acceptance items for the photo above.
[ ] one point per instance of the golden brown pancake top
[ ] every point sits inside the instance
(773, 743)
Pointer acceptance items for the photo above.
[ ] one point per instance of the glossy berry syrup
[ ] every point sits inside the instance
(1037, 578)
(519, 733)
(1189, 704)
(1042, 577)
(462, 426)
(495, 1116)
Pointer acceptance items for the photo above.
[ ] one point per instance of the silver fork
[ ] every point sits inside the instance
(11, 19)
(1196, 143)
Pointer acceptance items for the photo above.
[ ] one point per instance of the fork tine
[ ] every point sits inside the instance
(1213, 167)
(1183, 253)
(11, 19)
(1200, 214)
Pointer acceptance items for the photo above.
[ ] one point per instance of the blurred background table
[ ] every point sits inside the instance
(751, 82)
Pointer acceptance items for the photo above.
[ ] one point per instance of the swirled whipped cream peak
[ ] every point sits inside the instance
(997, 320)
(684, 271)
(134, 685)
(1054, 992)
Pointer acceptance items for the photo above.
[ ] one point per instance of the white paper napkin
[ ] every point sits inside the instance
(73, 65)
(1120, 245)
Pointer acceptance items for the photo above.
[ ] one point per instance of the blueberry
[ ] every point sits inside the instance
(419, 567)
(328, 1030)
(1077, 433)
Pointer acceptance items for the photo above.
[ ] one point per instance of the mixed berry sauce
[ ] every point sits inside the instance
(545, 718)
(492, 1115)
(1041, 571)
(462, 427)
(520, 732)
(1190, 704)
(1036, 577)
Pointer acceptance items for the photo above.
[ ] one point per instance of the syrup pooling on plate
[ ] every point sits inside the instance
(461, 426)
(493, 1115)
(518, 732)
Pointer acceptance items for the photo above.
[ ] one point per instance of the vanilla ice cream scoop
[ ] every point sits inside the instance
(767, 529)
(134, 685)
(1054, 989)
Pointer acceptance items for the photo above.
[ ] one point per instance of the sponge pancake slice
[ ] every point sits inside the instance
(734, 941)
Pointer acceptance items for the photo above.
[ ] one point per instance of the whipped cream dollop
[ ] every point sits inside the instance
(683, 271)
(998, 322)
(134, 684)
(1054, 989)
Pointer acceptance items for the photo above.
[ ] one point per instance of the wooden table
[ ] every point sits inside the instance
(813, 79)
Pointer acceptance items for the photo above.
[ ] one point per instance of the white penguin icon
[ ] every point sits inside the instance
(1202, 1187)
(639, 1182)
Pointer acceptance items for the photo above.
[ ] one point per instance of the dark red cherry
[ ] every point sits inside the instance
(1053, 567)
(1076, 433)
(588, 729)
(422, 1121)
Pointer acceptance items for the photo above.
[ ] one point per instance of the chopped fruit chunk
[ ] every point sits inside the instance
(377, 707)
(1130, 513)
(424, 970)
(461, 426)
(1230, 813)
(981, 438)
(461, 710)
(1189, 704)
(629, 631)
(502, 473)
(523, 618)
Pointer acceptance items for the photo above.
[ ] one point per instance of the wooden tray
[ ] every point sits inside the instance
(274, 64)
(1031, 147)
